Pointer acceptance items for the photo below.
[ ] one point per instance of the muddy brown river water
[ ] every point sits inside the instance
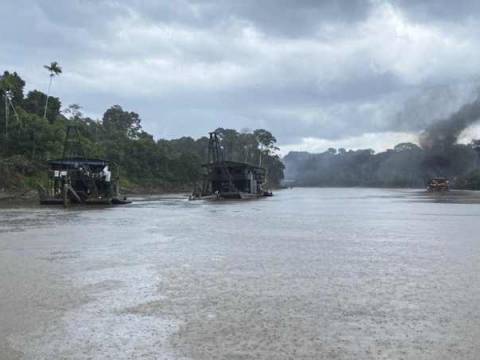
(306, 274)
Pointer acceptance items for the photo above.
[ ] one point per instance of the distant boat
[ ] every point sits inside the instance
(438, 184)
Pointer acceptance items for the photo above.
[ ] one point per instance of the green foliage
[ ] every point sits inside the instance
(407, 165)
(121, 123)
(118, 137)
(35, 103)
(17, 172)
(53, 68)
(469, 181)
(15, 84)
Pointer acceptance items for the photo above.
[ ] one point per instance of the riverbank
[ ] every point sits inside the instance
(18, 195)
(28, 195)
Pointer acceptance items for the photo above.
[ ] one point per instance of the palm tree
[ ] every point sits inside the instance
(54, 69)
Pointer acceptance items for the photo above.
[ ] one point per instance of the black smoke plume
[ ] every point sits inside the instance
(406, 165)
(443, 134)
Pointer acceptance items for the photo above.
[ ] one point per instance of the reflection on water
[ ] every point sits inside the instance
(453, 196)
(307, 274)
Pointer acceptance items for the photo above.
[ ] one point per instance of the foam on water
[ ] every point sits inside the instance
(307, 274)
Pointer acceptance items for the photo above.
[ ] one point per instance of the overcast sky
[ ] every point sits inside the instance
(346, 73)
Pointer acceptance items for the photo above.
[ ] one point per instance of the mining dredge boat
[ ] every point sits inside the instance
(81, 180)
(438, 184)
(229, 179)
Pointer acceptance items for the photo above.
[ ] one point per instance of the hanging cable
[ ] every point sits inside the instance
(10, 97)
(7, 108)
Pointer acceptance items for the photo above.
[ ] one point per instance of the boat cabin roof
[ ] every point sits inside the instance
(73, 163)
(234, 164)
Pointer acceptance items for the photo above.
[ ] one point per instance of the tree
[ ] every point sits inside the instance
(73, 112)
(265, 139)
(119, 122)
(266, 142)
(14, 83)
(406, 147)
(11, 94)
(38, 134)
(228, 142)
(34, 103)
(54, 70)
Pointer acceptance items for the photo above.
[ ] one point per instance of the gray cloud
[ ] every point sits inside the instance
(440, 10)
(276, 17)
(303, 69)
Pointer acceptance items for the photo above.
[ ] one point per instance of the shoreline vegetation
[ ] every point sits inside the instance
(405, 166)
(439, 154)
(33, 128)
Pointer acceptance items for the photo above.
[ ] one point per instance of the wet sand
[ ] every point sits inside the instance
(307, 274)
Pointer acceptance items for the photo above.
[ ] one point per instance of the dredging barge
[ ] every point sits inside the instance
(438, 184)
(229, 179)
(81, 180)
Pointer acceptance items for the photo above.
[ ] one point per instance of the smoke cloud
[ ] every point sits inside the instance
(444, 133)
(405, 165)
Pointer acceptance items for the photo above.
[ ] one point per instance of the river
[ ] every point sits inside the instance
(306, 274)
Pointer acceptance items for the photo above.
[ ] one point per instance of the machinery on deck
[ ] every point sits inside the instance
(80, 180)
(229, 179)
